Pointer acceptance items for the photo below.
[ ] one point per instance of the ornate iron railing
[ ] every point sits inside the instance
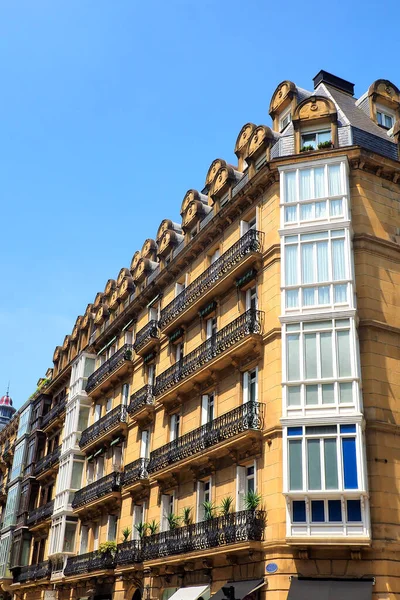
(109, 421)
(54, 412)
(47, 461)
(148, 332)
(97, 489)
(246, 525)
(135, 471)
(246, 324)
(251, 241)
(247, 416)
(140, 398)
(40, 514)
(32, 572)
(129, 552)
(92, 561)
(122, 355)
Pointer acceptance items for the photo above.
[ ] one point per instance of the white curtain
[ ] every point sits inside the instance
(292, 298)
(323, 294)
(319, 181)
(305, 184)
(306, 212)
(326, 354)
(322, 261)
(290, 187)
(307, 263)
(320, 210)
(334, 180)
(310, 347)
(290, 214)
(308, 296)
(291, 265)
(340, 293)
(336, 208)
(339, 266)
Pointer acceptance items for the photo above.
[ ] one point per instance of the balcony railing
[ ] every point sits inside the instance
(122, 355)
(243, 526)
(141, 398)
(247, 416)
(32, 572)
(40, 514)
(246, 324)
(54, 413)
(47, 461)
(128, 552)
(251, 241)
(106, 485)
(109, 421)
(135, 471)
(149, 332)
(92, 561)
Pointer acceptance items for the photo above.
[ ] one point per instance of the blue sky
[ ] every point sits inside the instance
(111, 110)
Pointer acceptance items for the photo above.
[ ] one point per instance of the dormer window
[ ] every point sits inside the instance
(316, 139)
(285, 120)
(384, 119)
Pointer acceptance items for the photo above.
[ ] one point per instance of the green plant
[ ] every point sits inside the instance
(109, 547)
(126, 533)
(141, 528)
(128, 355)
(209, 510)
(153, 527)
(187, 515)
(307, 148)
(252, 500)
(327, 144)
(226, 505)
(173, 521)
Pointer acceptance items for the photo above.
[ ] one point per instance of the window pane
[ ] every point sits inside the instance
(326, 354)
(290, 214)
(343, 341)
(292, 298)
(307, 263)
(320, 210)
(347, 429)
(309, 296)
(306, 212)
(340, 293)
(317, 511)
(310, 343)
(331, 469)
(336, 208)
(328, 396)
(339, 267)
(346, 393)
(388, 121)
(324, 136)
(319, 182)
(334, 511)
(311, 394)
(314, 464)
(299, 511)
(323, 295)
(295, 465)
(354, 510)
(290, 187)
(322, 261)
(295, 431)
(305, 177)
(293, 357)
(291, 265)
(293, 395)
(349, 463)
(379, 117)
(334, 180)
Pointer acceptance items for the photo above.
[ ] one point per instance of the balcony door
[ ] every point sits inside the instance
(83, 547)
(145, 444)
(251, 298)
(207, 408)
(245, 483)
(203, 495)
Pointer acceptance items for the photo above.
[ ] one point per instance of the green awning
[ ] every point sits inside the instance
(90, 457)
(99, 452)
(128, 324)
(107, 345)
(115, 441)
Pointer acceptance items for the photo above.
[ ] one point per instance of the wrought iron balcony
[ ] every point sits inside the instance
(135, 471)
(53, 413)
(47, 461)
(103, 425)
(128, 553)
(32, 572)
(40, 514)
(121, 356)
(92, 561)
(248, 323)
(250, 242)
(140, 399)
(247, 416)
(98, 489)
(243, 526)
(149, 333)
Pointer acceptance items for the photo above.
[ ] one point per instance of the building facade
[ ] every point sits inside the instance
(223, 417)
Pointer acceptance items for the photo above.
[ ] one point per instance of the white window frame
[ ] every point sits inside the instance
(242, 479)
(207, 408)
(251, 294)
(248, 376)
(385, 112)
(284, 120)
(203, 487)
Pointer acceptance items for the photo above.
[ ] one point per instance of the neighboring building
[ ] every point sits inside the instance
(7, 410)
(250, 350)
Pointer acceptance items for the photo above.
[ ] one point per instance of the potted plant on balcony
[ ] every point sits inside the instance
(252, 500)
(153, 527)
(108, 548)
(141, 528)
(209, 510)
(307, 148)
(226, 506)
(128, 355)
(324, 145)
(187, 516)
(173, 521)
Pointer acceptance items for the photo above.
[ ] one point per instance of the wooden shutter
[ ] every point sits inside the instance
(199, 502)
(164, 512)
(144, 444)
(240, 487)
(204, 409)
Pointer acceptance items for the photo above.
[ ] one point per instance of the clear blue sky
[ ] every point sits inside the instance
(111, 110)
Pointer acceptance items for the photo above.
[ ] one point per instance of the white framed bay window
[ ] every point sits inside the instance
(317, 271)
(315, 192)
(321, 368)
(325, 480)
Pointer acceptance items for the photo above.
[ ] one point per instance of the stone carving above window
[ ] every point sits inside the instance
(144, 267)
(86, 317)
(315, 107)
(127, 287)
(262, 138)
(166, 225)
(242, 141)
(66, 343)
(168, 241)
(101, 314)
(283, 95)
(384, 90)
(214, 169)
(110, 287)
(149, 249)
(98, 300)
(135, 260)
(224, 179)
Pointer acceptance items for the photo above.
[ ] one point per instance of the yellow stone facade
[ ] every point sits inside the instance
(169, 391)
